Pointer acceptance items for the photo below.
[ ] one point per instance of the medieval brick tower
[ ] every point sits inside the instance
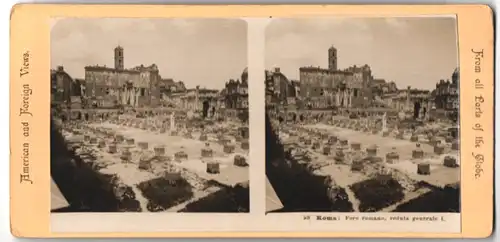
(332, 59)
(119, 58)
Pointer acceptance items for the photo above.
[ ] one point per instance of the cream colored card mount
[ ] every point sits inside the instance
(251, 121)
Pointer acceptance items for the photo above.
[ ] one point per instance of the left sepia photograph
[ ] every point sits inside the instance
(149, 115)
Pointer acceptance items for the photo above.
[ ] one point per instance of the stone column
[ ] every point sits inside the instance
(350, 98)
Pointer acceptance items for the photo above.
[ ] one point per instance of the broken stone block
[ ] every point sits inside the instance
(213, 167)
(112, 149)
(163, 130)
(101, 144)
(417, 153)
(344, 142)
(449, 139)
(455, 145)
(400, 135)
(424, 169)
(386, 134)
(326, 150)
(374, 131)
(225, 141)
(438, 149)
(307, 141)
(203, 137)
(207, 151)
(172, 177)
(93, 140)
(245, 145)
(126, 156)
(119, 138)
(339, 160)
(174, 133)
(240, 161)
(143, 145)
(450, 161)
(414, 138)
(145, 164)
(332, 140)
(159, 150)
(86, 138)
(391, 157)
(228, 149)
(372, 150)
(356, 146)
(181, 155)
(316, 145)
(357, 165)
(130, 141)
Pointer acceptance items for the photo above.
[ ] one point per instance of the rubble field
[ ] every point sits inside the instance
(162, 163)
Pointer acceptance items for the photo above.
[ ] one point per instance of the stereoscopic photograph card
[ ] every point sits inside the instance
(251, 121)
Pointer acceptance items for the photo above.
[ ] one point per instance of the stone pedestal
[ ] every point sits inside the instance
(455, 145)
(206, 152)
(126, 156)
(449, 139)
(316, 145)
(450, 162)
(163, 130)
(344, 142)
(119, 138)
(181, 156)
(357, 165)
(143, 145)
(240, 161)
(144, 164)
(356, 146)
(213, 168)
(86, 138)
(386, 134)
(438, 149)
(101, 144)
(228, 149)
(93, 140)
(203, 137)
(332, 140)
(417, 153)
(112, 149)
(414, 138)
(392, 157)
(307, 141)
(374, 131)
(372, 151)
(326, 150)
(424, 169)
(245, 145)
(159, 150)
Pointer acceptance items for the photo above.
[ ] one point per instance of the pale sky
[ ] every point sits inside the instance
(415, 52)
(205, 52)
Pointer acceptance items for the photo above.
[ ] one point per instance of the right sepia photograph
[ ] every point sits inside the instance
(362, 115)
